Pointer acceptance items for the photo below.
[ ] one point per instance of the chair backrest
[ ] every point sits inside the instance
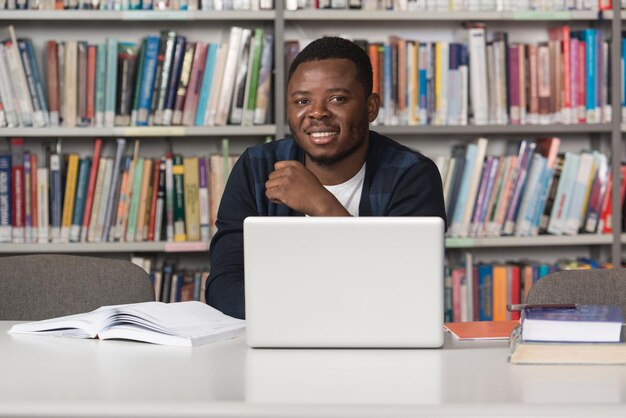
(42, 286)
(590, 287)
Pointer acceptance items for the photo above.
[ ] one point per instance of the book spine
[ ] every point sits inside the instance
(169, 196)
(191, 194)
(100, 93)
(55, 197)
(110, 94)
(90, 115)
(174, 80)
(137, 82)
(183, 85)
(239, 89)
(28, 215)
(195, 82)
(17, 189)
(134, 200)
(43, 196)
(178, 171)
(69, 197)
(148, 71)
(153, 219)
(228, 80)
(91, 188)
(166, 69)
(5, 199)
(113, 197)
(126, 63)
(38, 95)
(84, 168)
(143, 199)
(160, 203)
(207, 79)
(263, 94)
(203, 197)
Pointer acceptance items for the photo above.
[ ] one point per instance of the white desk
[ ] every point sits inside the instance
(47, 376)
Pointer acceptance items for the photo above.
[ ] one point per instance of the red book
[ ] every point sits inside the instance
(606, 218)
(17, 189)
(567, 76)
(53, 83)
(91, 84)
(97, 148)
(514, 291)
(153, 204)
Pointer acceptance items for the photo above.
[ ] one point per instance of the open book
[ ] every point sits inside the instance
(183, 324)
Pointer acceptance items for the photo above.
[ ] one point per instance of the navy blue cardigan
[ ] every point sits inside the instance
(398, 182)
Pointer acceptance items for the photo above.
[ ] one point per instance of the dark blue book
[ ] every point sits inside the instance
(5, 198)
(580, 323)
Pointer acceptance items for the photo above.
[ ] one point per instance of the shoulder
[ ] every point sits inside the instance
(283, 149)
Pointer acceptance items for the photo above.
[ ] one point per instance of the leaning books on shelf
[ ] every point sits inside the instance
(491, 79)
(100, 198)
(173, 284)
(443, 6)
(138, 5)
(581, 323)
(164, 80)
(532, 189)
(180, 324)
(482, 292)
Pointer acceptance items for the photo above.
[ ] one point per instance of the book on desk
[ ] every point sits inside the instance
(583, 334)
(182, 324)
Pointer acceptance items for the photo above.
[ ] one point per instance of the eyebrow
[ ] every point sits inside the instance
(333, 90)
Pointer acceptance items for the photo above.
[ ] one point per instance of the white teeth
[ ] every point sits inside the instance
(322, 134)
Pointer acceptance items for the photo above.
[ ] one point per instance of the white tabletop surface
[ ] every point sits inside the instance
(62, 377)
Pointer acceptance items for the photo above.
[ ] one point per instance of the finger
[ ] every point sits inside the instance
(287, 163)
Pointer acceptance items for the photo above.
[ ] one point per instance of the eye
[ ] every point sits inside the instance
(338, 99)
(301, 101)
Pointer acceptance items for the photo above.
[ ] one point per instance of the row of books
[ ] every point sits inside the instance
(163, 81)
(533, 189)
(172, 284)
(452, 5)
(482, 293)
(127, 198)
(490, 80)
(137, 4)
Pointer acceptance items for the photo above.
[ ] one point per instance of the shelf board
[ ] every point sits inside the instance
(391, 15)
(106, 247)
(134, 15)
(138, 131)
(540, 241)
(493, 129)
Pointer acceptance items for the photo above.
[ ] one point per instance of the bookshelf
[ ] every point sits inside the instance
(304, 23)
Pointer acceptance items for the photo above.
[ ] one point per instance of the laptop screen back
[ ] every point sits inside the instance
(344, 282)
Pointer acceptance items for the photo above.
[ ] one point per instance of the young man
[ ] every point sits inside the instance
(334, 166)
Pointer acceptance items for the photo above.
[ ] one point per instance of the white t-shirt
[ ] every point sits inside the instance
(348, 193)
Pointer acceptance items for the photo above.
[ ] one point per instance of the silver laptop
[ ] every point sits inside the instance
(344, 282)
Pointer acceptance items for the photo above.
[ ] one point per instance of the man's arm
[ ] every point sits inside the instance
(225, 285)
(419, 192)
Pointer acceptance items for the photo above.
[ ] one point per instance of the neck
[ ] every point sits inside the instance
(341, 171)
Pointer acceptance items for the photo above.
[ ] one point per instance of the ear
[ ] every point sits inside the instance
(373, 106)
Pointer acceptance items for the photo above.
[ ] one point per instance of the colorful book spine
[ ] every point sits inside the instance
(207, 79)
(203, 197)
(113, 196)
(101, 69)
(17, 189)
(148, 73)
(178, 171)
(110, 94)
(43, 196)
(93, 174)
(84, 169)
(69, 197)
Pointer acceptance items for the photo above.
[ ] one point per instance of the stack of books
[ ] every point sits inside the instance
(581, 334)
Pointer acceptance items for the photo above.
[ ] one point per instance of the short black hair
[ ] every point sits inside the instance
(330, 47)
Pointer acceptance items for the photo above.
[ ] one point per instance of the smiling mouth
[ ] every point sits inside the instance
(323, 134)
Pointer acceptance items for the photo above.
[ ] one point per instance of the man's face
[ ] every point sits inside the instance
(328, 110)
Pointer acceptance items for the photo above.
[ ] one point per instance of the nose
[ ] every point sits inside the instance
(319, 111)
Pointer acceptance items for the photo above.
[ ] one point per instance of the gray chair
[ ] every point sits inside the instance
(41, 286)
(599, 287)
